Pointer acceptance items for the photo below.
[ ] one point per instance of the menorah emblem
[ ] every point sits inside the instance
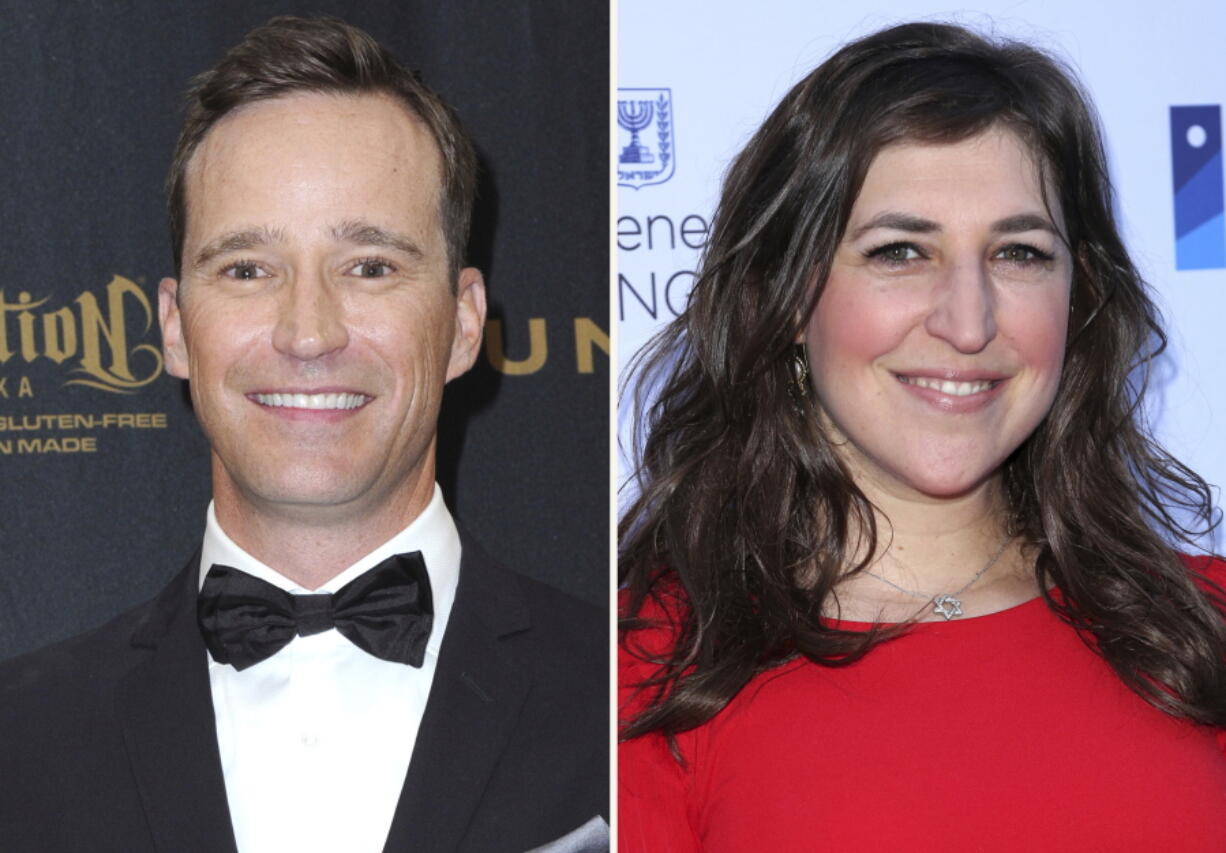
(634, 116)
(647, 115)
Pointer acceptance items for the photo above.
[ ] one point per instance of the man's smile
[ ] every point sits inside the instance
(322, 401)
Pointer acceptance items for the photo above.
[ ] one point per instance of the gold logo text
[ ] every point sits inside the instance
(89, 337)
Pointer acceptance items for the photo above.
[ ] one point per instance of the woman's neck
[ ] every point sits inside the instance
(925, 547)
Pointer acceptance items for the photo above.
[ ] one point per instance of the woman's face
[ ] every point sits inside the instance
(936, 346)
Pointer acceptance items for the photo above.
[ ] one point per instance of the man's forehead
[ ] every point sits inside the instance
(360, 120)
(308, 108)
(358, 146)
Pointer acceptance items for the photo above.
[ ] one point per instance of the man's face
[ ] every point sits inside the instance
(315, 317)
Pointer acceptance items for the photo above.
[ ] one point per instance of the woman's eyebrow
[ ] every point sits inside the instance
(898, 222)
(919, 225)
(1024, 222)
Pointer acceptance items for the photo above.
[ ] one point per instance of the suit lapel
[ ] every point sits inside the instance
(475, 699)
(165, 704)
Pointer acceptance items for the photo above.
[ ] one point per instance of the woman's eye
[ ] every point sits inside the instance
(1019, 253)
(896, 253)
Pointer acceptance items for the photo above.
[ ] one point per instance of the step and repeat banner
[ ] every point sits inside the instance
(104, 472)
(695, 80)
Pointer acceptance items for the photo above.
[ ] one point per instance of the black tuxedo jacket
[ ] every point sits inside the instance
(108, 741)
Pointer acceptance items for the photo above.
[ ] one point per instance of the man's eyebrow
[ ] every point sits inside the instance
(365, 234)
(239, 241)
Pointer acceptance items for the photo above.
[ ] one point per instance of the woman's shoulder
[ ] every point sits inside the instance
(1205, 563)
(650, 626)
(1209, 572)
(651, 622)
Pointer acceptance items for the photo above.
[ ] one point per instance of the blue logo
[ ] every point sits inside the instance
(1196, 161)
(645, 137)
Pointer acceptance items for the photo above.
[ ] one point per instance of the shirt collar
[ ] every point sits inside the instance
(433, 533)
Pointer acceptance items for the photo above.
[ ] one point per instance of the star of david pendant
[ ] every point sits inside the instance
(947, 606)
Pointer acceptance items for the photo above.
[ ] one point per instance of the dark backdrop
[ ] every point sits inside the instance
(103, 471)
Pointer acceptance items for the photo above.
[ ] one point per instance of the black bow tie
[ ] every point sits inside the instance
(388, 612)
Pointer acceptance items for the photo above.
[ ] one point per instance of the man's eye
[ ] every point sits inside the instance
(371, 269)
(244, 271)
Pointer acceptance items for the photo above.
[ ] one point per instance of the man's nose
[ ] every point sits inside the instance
(310, 319)
(963, 310)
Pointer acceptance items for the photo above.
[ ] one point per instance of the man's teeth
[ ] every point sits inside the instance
(312, 401)
(945, 386)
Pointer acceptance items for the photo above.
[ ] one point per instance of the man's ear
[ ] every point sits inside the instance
(173, 349)
(469, 322)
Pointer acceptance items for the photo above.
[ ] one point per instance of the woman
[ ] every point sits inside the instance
(898, 575)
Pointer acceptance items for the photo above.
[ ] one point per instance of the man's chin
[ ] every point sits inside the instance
(311, 493)
(319, 488)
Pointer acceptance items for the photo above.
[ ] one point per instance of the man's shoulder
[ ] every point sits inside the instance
(91, 661)
(477, 556)
(556, 611)
(564, 630)
(67, 713)
(541, 658)
(561, 638)
(79, 664)
(570, 636)
(58, 714)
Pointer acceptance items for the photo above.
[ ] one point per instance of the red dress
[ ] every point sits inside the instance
(1004, 732)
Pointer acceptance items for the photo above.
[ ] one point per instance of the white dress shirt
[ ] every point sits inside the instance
(315, 740)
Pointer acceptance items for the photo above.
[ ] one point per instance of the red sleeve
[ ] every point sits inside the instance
(659, 618)
(653, 814)
(1214, 570)
(1207, 567)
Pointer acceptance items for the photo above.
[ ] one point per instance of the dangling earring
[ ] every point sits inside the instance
(798, 366)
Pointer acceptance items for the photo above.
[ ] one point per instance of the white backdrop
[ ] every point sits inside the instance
(713, 70)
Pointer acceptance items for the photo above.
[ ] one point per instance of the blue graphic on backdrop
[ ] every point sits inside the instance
(1196, 160)
(645, 125)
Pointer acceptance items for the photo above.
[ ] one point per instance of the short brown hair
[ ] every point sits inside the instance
(290, 55)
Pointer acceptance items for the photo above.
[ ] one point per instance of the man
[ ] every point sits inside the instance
(338, 668)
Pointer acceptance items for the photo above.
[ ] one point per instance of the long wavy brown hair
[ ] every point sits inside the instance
(743, 512)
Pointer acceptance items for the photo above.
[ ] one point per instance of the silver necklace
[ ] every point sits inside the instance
(947, 604)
